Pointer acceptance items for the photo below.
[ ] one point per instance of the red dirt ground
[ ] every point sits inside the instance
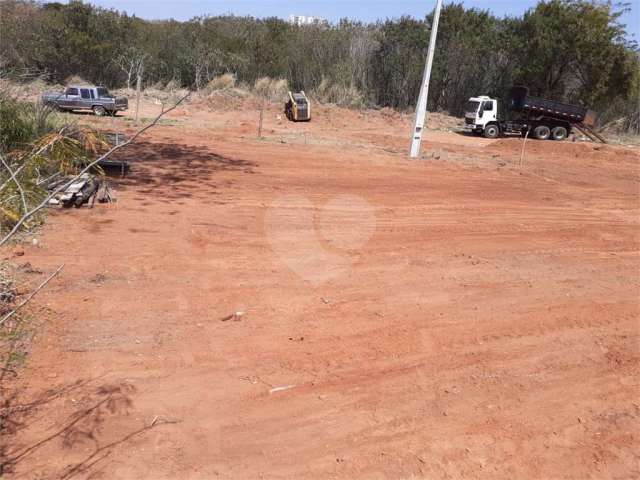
(459, 316)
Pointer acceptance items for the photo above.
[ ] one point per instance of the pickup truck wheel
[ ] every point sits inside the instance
(541, 132)
(559, 133)
(99, 110)
(491, 131)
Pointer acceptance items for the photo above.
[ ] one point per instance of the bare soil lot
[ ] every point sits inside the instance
(455, 317)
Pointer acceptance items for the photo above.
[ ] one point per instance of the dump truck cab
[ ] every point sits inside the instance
(481, 113)
(298, 108)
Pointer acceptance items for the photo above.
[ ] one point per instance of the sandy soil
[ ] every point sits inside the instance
(460, 316)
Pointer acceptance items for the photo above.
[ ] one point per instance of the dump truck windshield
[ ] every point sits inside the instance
(471, 106)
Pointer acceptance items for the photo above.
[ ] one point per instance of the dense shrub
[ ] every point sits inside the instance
(573, 50)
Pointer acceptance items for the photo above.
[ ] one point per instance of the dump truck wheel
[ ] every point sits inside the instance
(559, 133)
(491, 131)
(541, 132)
(99, 110)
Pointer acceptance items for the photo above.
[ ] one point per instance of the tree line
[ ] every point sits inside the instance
(571, 50)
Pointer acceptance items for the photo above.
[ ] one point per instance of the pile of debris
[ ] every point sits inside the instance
(84, 188)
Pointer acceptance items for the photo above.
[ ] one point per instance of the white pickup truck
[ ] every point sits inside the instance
(85, 97)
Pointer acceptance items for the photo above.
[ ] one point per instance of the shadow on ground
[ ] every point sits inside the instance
(174, 171)
(77, 431)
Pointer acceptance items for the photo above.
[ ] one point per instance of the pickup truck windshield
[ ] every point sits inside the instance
(103, 92)
(471, 106)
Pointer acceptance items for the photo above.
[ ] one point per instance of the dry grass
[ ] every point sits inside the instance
(76, 80)
(224, 93)
(172, 85)
(618, 132)
(158, 85)
(341, 95)
(159, 96)
(271, 89)
(28, 90)
(628, 139)
(221, 82)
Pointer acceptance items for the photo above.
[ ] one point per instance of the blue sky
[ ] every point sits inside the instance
(366, 10)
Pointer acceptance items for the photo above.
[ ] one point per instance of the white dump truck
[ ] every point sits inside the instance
(543, 119)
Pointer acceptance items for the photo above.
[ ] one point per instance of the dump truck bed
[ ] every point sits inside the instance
(522, 101)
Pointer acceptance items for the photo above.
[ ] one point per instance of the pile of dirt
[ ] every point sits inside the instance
(435, 120)
(226, 100)
(28, 91)
(586, 151)
(443, 121)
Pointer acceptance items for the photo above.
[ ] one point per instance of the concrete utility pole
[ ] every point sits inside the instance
(421, 107)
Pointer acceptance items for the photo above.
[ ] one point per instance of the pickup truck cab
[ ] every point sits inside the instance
(86, 97)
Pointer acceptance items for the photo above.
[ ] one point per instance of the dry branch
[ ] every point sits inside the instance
(15, 180)
(62, 187)
(33, 153)
(31, 295)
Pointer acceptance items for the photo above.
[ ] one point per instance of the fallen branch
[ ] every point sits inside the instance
(62, 187)
(46, 180)
(15, 180)
(31, 295)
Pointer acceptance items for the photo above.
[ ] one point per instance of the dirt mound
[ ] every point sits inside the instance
(566, 149)
(443, 121)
